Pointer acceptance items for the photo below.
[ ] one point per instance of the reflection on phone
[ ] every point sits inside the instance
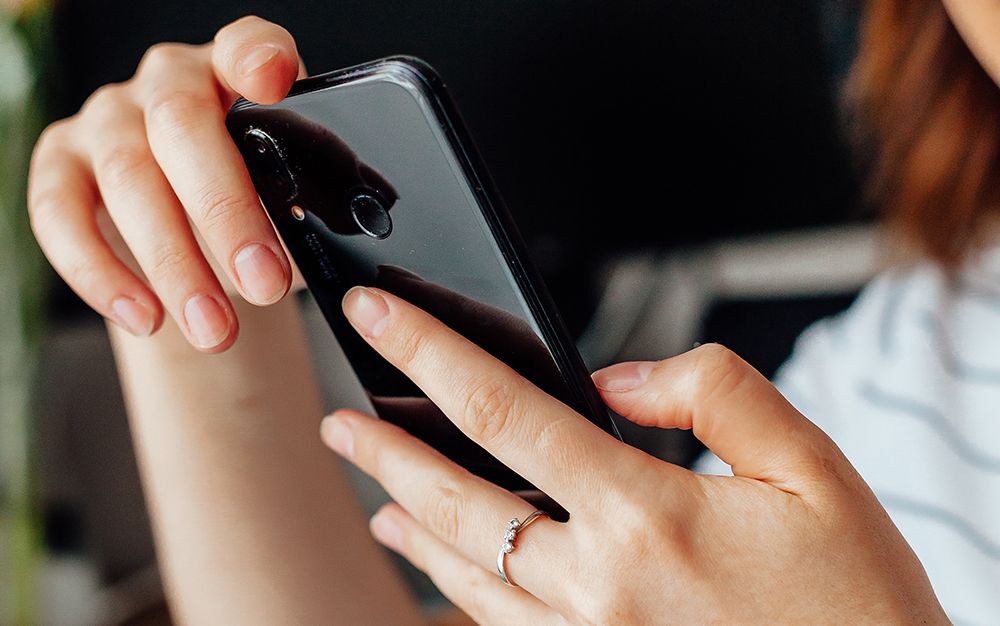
(426, 238)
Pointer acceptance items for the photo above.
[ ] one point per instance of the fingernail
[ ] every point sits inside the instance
(261, 273)
(623, 376)
(386, 530)
(206, 321)
(367, 310)
(256, 58)
(136, 318)
(336, 433)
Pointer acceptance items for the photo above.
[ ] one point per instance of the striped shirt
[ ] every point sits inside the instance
(907, 383)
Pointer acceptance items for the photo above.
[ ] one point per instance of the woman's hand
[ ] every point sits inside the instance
(794, 536)
(154, 153)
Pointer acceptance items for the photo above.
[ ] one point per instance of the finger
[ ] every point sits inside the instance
(153, 225)
(256, 59)
(478, 592)
(62, 200)
(729, 406)
(461, 509)
(186, 132)
(502, 334)
(529, 431)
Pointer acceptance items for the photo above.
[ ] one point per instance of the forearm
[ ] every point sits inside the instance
(254, 519)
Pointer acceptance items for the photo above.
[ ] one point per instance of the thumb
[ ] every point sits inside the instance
(729, 406)
(256, 59)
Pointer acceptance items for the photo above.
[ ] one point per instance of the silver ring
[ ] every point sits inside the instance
(514, 527)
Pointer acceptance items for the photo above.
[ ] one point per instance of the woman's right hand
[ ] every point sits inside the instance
(154, 153)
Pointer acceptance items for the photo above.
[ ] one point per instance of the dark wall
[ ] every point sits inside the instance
(608, 125)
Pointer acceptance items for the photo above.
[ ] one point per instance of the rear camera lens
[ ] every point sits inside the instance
(371, 216)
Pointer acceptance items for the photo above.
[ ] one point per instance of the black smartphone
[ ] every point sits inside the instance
(370, 178)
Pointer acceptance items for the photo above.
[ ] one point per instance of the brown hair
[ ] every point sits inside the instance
(929, 116)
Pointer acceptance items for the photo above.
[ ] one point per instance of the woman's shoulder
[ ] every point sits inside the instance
(867, 331)
(920, 328)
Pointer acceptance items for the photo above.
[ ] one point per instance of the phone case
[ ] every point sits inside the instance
(370, 177)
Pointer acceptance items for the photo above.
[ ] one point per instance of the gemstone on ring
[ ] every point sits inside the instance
(514, 526)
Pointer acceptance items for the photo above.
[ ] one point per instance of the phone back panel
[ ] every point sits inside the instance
(368, 180)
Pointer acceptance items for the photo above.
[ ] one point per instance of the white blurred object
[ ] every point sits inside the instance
(653, 306)
(15, 74)
(70, 588)
(74, 596)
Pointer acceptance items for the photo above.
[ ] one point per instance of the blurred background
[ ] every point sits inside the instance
(704, 191)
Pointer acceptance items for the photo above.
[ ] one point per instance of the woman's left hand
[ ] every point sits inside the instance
(794, 536)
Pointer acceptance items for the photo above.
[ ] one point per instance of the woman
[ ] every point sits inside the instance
(254, 521)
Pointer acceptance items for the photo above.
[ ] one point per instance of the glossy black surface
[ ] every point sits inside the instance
(369, 179)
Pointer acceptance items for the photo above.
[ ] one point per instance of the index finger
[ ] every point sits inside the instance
(534, 434)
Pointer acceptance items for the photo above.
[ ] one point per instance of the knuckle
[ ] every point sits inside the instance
(641, 529)
(488, 410)
(444, 511)
(54, 136)
(373, 458)
(81, 273)
(123, 164)
(178, 111)
(161, 56)
(827, 466)
(106, 100)
(217, 207)
(168, 261)
(247, 20)
(44, 210)
(412, 347)
(638, 526)
(717, 370)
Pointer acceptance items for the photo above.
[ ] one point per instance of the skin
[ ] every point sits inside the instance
(124, 198)
(978, 21)
(255, 521)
